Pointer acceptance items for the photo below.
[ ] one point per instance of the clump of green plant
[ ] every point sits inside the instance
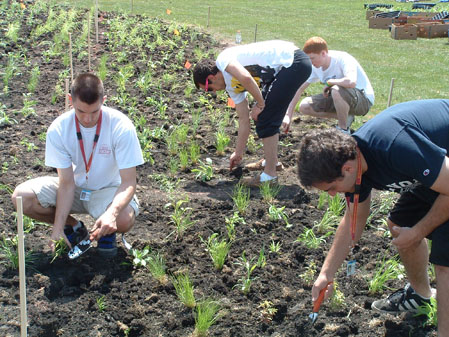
(235, 219)
(336, 204)
(34, 79)
(386, 270)
(217, 249)
(269, 191)
(30, 146)
(310, 240)
(101, 303)
(205, 171)
(221, 142)
(183, 159)
(308, 276)
(429, 310)
(181, 216)
(194, 153)
(184, 289)
(165, 183)
(157, 268)
(103, 67)
(244, 283)
(337, 299)
(276, 214)
(140, 257)
(326, 223)
(241, 197)
(9, 253)
(206, 314)
(275, 247)
(61, 248)
(267, 311)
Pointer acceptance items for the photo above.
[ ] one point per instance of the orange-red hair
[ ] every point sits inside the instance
(315, 45)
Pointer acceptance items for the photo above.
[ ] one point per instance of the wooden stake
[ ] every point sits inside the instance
(208, 17)
(255, 34)
(391, 92)
(22, 280)
(66, 94)
(70, 56)
(96, 21)
(88, 41)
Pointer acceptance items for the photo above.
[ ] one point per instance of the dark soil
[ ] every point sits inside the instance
(62, 296)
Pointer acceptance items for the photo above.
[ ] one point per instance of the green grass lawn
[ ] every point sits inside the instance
(420, 67)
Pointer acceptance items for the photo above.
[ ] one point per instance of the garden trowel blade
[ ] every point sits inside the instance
(79, 249)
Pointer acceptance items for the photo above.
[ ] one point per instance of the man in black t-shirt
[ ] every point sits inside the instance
(403, 149)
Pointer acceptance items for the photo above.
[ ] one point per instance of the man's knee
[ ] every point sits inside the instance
(391, 224)
(29, 198)
(305, 107)
(126, 219)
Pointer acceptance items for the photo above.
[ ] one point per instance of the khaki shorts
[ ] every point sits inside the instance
(359, 104)
(46, 188)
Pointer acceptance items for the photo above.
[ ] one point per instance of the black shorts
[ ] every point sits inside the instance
(411, 207)
(279, 93)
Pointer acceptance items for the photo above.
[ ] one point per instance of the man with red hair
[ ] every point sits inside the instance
(347, 91)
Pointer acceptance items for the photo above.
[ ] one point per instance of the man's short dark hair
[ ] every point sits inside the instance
(202, 70)
(88, 88)
(322, 154)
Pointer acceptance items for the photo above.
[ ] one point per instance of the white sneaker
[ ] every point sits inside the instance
(347, 131)
(349, 121)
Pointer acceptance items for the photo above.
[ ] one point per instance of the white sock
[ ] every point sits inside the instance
(264, 162)
(77, 226)
(266, 177)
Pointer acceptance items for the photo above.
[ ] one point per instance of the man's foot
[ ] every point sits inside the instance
(107, 246)
(255, 181)
(77, 235)
(260, 165)
(405, 299)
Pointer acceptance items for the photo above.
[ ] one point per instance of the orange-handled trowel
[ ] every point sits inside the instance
(316, 305)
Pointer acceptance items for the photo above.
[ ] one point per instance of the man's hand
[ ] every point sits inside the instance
(322, 282)
(255, 111)
(56, 234)
(105, 224)
(327, 91)
(405, 237)
(286, 124)
(234, 160)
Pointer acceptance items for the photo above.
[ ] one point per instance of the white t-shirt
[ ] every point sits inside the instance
(262, 59)
(117, 148)
(343, 65)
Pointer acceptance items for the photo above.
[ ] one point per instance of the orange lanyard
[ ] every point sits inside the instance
(80, 140)
(358, 183)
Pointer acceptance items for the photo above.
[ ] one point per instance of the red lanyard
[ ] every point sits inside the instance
(358, 183)
(80, 139)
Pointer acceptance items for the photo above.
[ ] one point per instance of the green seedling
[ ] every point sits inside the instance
(173, 166)
(157, 268)
(310, 240)
(194, 153)
(184, 289)
(244, 283)
(269, 191)
(103, 67)
(28, 145)
(308, 277)
(276, 214)
(165, 183)
(336, 204)
(28, 105)
(206, 314)
(235, 219)
(61, 248)
(275, 247)
(140, 257)
(241, 198)
(205, 171)
(34, 79)
(181, 216)
(218, 250)
(183, 159)
(268, 311)
(326, 223)
(5, 167)
(221, 142)
(386, 270)
(322, 200)
(101, 303)
(429, 310)
(9, 253)
(337, 300)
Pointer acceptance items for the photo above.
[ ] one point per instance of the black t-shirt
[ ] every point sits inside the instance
(404, 146)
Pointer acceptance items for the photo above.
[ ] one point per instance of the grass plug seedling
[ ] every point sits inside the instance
(9, 253)
(61, 248)
(276, 214)
(429, 310)
(180, 216)
(269, 191)
(101, 304)
(184, 289)
(206, 314)
(241, 197)
(267, 311)
(205, 171)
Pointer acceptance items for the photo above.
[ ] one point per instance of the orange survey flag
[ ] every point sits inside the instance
(168, 11)
(187, 65)
(176, 32)
(231, 103)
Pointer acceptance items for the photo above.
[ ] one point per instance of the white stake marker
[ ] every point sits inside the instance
(22, 280)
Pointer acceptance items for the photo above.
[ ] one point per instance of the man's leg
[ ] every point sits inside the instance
(126, 219)
(270, 148)
(32, 207)
(341, 106)
(415, 261)
(442, 274)
(306, 108)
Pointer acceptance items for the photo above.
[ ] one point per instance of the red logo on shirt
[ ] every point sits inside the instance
(104, 149)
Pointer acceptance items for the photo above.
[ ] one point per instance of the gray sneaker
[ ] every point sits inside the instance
(347, 131)
(349, 121)
(405, 299)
